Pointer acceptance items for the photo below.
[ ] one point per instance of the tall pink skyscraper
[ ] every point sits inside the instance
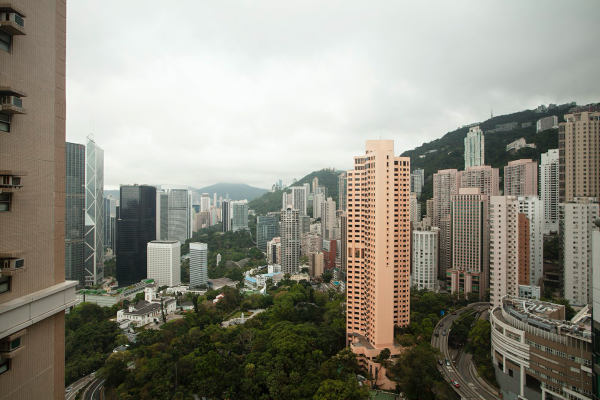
(521, 178)
(378, 246)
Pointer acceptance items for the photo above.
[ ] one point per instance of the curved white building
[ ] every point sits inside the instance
(537, 354)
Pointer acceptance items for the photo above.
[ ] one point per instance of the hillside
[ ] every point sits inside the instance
(327, 178)
(237, 191)
(449, 149)
(271, 201)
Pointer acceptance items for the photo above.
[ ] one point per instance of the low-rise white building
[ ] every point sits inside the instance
(147, 310)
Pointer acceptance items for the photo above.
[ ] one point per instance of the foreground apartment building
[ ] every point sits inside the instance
(378, 246)
(33, 291)
(538, 354)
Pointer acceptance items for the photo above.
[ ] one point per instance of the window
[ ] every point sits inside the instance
(5, 41)
(5, 201)
(4, 284)
(4, 122)
(4, 365)
(10, 345)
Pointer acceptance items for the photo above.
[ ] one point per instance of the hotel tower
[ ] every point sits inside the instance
(378, 246)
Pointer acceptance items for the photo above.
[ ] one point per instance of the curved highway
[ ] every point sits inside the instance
(460, 369)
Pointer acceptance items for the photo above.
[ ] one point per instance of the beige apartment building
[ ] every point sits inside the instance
(483, 177)
(378, 245)
(521, 178)
(579, 155)
(445, 184)
(509, 248)
(33, 291)
(470, 243)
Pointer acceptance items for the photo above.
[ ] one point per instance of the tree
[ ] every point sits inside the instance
(335, 390)
(416, 373)
(327, 276)
(115, 369)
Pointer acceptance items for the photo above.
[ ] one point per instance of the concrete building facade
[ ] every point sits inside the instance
(415, 209)
(521, 178)
(378, 245)
(474, 147)
(579, 156)
(575, 229)
(164, 262)
(299, 198)
(290, 240)
(533, 209)
(33, 290)
(470, 243)
(509, 248)
(483, 177)
(425, 256)
(198, 264)
(549, 189)
(546, 123)
(329, 225)
(537, 355)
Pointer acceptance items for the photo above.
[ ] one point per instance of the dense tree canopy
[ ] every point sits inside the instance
(89, 338)
(294, 350)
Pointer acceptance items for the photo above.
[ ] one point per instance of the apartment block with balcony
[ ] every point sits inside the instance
(575, 230)
(483, 177)
(549, 190)
(33, 290)
(470, 243)
(521, 178)
(378, 246)
(579, 155)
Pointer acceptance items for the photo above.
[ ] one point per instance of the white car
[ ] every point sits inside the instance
(69, 389)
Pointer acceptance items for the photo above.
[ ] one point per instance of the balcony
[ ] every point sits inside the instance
(11, 105)
(11, 179)
(12, 266)
(11, 20)
(11, 101)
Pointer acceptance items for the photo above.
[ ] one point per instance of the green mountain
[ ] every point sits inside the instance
(271, 201)
(237, 191)
(327, 178)
(448, 151)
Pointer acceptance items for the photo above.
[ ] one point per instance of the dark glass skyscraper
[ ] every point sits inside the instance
(267, 227)
(75, 212)
(226, 215)
(136, 227)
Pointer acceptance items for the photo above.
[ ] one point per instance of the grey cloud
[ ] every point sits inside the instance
(201, 92)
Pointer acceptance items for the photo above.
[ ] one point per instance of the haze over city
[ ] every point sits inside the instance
(251, 92)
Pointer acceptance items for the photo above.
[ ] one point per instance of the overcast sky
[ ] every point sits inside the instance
(198, 92)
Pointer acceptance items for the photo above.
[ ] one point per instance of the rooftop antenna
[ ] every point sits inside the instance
(91, 135)
(491, 113)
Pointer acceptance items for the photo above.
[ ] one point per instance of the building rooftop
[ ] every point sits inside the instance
(547, 316)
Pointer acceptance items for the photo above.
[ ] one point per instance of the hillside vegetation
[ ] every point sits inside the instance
(450, 148)
(272, 201)
(236, 191)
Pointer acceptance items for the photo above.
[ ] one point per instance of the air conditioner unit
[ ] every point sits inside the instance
(13, 263)
(10, 181)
